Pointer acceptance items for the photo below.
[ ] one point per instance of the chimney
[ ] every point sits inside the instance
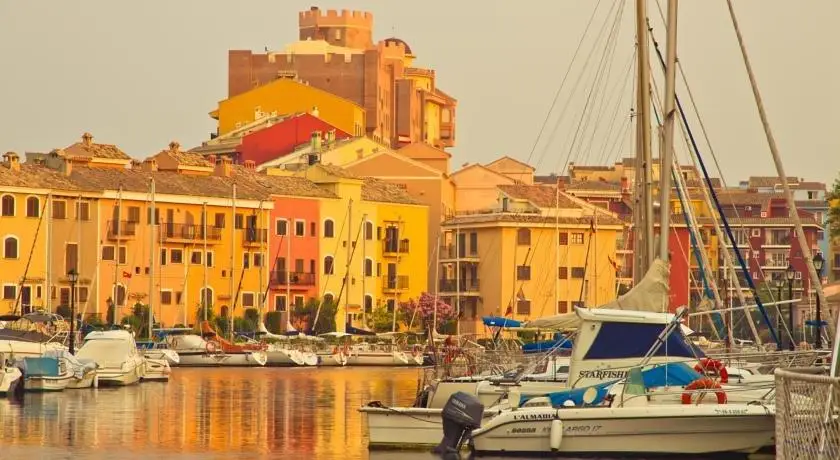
(136, 165)
(174, 146)
(625, 188)
(12, 160)
(68, 167)
(211, 159)
(150, 164)
(223, 167)
(561, 184)
(250, 165)
(87, 139)
(315, 141)
(315, 112)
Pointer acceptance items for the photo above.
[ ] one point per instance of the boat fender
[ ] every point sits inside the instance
(714, 367)
(210, 347)
(704, 383)
(556, 434)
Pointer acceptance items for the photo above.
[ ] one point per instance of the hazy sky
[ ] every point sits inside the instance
(140, 74)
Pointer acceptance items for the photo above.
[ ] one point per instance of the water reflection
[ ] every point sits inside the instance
(209, 413)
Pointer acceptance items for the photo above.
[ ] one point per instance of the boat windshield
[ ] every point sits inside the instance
(105, 350)
(617, 340)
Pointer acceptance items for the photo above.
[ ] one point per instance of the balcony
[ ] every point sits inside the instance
(121, 230)
(466, 286)
(295, 280)
(254, 236)
(396, 283)
(189, 233)
(463, 254)
(393, 248)
(775, 263)
(780, 242)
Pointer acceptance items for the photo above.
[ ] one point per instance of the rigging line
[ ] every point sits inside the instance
(347, 276)
(332, 267)
(621, 93)
(613, 136)
(563, 81)
(29, 260)
(565, 108)
(274, 270)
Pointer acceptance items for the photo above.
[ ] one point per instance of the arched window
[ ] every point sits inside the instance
(368, 303)
(206, 297)
(523, 237)
(368, 267)
(368, 230)
(329, 269)
(10, 247)
(224, 311)
(329, 228)
(8, 206)
(33, 207)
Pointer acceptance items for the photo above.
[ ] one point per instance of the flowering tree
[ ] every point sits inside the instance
(422, 310)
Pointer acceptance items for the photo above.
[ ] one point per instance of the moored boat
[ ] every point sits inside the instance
(46, 374)
(119, 362)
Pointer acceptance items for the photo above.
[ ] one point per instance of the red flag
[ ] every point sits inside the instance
(126, 274)
(509, 310)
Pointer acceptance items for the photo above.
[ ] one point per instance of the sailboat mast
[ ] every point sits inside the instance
(151, 255)
(48, 210)
(457, 279)
(205, 305)
(117, 228)
(232, 260)
(341, 327)
(644, 166)
(669, 112)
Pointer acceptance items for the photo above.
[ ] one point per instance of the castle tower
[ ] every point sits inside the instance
(352, 29)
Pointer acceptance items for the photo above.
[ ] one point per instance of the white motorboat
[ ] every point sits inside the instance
(280, 355)
(31, 335)
(332, 358)
(194, 351)
(84, 370)
(115, 352)
(157, 369)
(9, 375)
(46, 374)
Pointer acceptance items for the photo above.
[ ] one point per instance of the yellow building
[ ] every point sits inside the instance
(286, 96)
(328, 151)
(538, 252)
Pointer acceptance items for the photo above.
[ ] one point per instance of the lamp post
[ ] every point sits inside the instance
(73, 277)
(780, 283)
(818, 266)
(790, 274)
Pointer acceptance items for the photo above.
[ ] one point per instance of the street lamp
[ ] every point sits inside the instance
(790, 274)
(818, 266)
(780, 283)
(73, 277)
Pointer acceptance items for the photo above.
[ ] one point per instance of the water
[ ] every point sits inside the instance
(299, 413)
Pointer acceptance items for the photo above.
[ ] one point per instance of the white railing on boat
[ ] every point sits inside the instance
(807, 415)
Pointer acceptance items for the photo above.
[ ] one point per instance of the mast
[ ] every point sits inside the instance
(669, 113)
(557, 247)
(288, 241)
(118, 227)
(644, 167)
(232, 260)
(364, 268)
(203, 302)
(48, 211)
(457, 279)
(342, 326)
(151, 255)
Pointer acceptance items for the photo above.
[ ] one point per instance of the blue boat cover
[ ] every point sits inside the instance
(498, 321)
(669, 374)
(546, 345)
(634, 340)
(42, 367)
(558, 398)
(356, 331)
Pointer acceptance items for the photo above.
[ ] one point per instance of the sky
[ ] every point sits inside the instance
(141, 74)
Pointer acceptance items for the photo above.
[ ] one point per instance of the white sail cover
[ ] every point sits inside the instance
(266, 333)
(651, 294)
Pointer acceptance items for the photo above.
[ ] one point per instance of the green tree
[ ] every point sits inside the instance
(274, 321)
(834, 209)
(310, 310)
(383, 320)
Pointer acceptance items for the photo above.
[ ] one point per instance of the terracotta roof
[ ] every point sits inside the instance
(733, 197)
(551, 179)
(594, 185)
(760, 221)
(768, 181)
(35, 176)
(286, 185)
(384, 192)
(541, 196)
(528, 219)
(337, 171)
(808, 186)
(505, 157)
(185, 158)
(88, 149)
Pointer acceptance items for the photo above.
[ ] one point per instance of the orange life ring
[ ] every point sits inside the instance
(704, 383)
(713, 366)
(335, 350)
(210, 347)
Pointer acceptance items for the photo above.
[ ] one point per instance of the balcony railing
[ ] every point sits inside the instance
(461, 285)
(395, 247)
(189, 232)
(395, 283)
(120, 229)
(776, 263)
(448, 251)
(292, 278)
(775, 240)
(254, 236)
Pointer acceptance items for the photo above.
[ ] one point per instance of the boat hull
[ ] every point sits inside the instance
(283, 358)
(659, 430)
(119, 377)
(157, 370)
(8, 376)
(87, 381)
(204, 359)
(47, 384)
(382, 359)
(404, 427)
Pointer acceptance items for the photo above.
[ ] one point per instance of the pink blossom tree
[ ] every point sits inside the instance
(422, 310)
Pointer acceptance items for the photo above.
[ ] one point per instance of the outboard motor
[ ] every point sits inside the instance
(461, 414)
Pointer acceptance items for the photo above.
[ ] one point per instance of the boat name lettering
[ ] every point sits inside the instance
(523, 430)
(582, 428)
(603, 374)
(731, 411)
(533, 416)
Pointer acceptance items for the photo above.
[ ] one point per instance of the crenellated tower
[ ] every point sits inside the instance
(351, 29)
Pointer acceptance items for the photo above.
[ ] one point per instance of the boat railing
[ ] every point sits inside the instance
(768, 361)
(807, 415)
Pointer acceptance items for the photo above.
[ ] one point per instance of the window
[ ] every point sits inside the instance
(64, 296)
(562, 306)
(563, 273)
(219, 221)
(279, 303)
(389, 305)
(175, 255)
(257, 259)
(9, 292)
(82, 210)
(563, 239)
(10, 247)
(756, 232)
(312, 230)
(122, 255)
(578, 272)
(209, 259)
(368, 230)
(523, 307)
(368, 267)
(473, 243)
(281, 227)
(298, 301)
(328, 265)
(300, 228)
(298, 265)
(523, 237)
(134, 214)
(195, 257)
(163, 256)
(329, 228)
(82, 294)
(59, 209)
(577, 238)
(247, 299)
(378, 269)
(368, 303)
(166, 297)
(71, 257)
(523, 272)
(312, 266)
(238, 221)
(120, 295)
(246, 260)
(33, 207)
(8, 208)
(107, 253)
